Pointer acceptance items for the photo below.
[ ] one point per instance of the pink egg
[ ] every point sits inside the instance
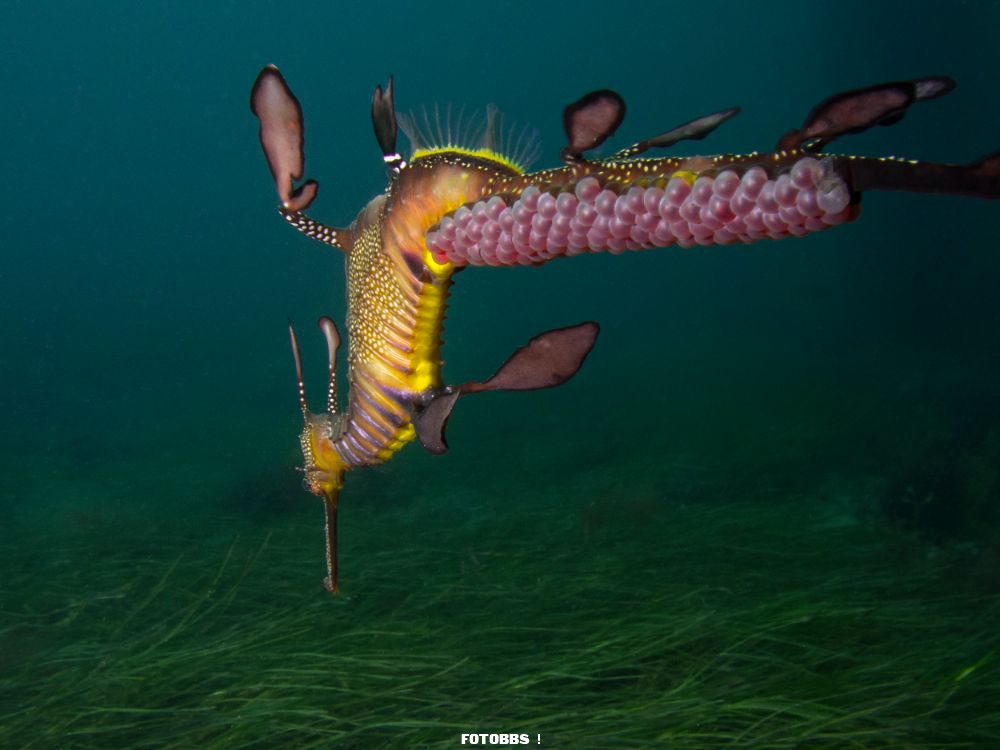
(597, 238)
(664, 236)
(634, 200)
(619, 228)
(521, 213)
(773, 222)
(622, 210)
(494, 206)
(536, 240)
(530, 197)
(491, 231)
(651, 199)
(806, 172)
(521, 245)
(681, 230)
(765, 199)
(489, 256)
(605, 203)
(785, 191)
(806, 203)
(708, 219)
(726, 183)
(741, 204)
(586, 214)
(755, 220)
(677, 191)
(702, 232)
(790, 215)
(547, 205)
(736, 226)
(475, 258)
(702, 190)
(724, 237)
(833, 197)
(690, 211)
(719, 206)
(506, 257)
(587, 189)
(753, 180)
(647, 221)
(671, 213)
(540, 224)
(566, 204)
(639, 236)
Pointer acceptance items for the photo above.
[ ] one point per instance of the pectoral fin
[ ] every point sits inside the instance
(549, 359)
(282, 136)
(591, 120)
(858, 110)
(431, 421)
(695, 130)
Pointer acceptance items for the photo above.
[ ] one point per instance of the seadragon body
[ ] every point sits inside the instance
(449, 207)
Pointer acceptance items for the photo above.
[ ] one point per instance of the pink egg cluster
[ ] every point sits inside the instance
(723, 209)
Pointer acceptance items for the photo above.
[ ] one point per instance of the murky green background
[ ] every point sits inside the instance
(765, 514)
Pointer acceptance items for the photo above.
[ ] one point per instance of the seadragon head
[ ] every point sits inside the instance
(324, 468)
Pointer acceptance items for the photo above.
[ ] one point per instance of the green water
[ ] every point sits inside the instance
(765, 514)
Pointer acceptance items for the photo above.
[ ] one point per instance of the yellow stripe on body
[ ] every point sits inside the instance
(395, 318)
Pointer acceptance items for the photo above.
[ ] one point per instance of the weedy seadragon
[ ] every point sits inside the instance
(453, 205)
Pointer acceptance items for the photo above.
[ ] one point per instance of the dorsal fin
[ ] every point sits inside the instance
(384, 122)
(436, 130)
(694, 130)
(591, 120)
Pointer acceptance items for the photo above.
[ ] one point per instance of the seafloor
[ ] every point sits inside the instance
(710, 598)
